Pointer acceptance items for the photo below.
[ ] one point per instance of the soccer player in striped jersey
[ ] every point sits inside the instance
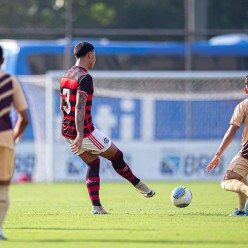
(10, 94)
(86, 141)
(235, 177)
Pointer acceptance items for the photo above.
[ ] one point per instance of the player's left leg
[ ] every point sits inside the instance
(242, 197)
(4, 205)
(6, 172)
(235, 181)
(121, 167)
(93, 181)
(236, 172)
(116, 157)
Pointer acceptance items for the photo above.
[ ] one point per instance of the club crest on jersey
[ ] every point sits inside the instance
(106, 140)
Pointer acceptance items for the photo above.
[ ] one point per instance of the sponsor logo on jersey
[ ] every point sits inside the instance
(89, 181)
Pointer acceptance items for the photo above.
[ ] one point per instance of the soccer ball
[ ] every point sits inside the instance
(181, 197)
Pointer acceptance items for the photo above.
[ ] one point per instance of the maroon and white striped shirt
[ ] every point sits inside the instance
(11, 94)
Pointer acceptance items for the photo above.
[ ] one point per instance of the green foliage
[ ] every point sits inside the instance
(122, 14)
(47, 216)
(31, 13)
(103, 14)
(129, 14)
(118, 14)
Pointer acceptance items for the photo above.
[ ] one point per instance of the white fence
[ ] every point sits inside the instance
(168, 124)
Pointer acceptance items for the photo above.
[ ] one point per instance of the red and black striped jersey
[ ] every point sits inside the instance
(76, 80)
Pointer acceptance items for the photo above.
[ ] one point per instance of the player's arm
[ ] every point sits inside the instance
(20, 106)
(61, 104)
(227, 140)
(76, 146)
(21, 124)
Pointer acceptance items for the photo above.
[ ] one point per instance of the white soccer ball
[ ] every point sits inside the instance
(181, 197)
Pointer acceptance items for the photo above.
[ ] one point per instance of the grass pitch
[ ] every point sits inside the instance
(59, 216)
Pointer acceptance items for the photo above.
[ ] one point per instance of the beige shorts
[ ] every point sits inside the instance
(96, 143)
(7, 158)
(239, 165)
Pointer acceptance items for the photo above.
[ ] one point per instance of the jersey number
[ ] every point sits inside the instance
(67, 107)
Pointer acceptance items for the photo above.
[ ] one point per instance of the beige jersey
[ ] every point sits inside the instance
(11, 94)
(240, 116)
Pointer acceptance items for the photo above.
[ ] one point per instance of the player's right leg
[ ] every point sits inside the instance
(6, 172)
(242, 198)
(93, 181)
(4, 205)
(235, 181)
(116, 157)
(235, 175)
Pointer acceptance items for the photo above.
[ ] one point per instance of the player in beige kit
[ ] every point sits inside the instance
(235, 177)
(10, 94)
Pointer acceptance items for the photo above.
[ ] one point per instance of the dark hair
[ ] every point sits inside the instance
(82, 48)
(1, 52)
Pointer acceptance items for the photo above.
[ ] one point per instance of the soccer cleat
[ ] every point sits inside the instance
(2, 237)
(99, 210)
(238, 213)
(144, 190)
(246, 207)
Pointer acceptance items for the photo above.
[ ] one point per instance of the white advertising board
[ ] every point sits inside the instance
(156, 161)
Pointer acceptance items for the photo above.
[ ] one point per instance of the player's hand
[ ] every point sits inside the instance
(214, 163)
(76, 146)
(16, 140)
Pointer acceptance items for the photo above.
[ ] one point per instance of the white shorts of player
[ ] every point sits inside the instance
(96, 143)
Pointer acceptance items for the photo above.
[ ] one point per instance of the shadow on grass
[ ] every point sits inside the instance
(162, 241)
(80, 229)
(202, 214)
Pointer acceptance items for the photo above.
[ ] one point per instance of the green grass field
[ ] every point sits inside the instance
(59, 216)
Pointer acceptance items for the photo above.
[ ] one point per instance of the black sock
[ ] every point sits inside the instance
(123, 169)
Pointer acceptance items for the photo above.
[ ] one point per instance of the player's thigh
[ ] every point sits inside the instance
(88, 157)
(110, 152)
(6, 165)
(232, 175)
(237, 169)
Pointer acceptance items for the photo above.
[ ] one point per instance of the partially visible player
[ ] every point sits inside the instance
(10, 94)
(235, 177)
(85, 139)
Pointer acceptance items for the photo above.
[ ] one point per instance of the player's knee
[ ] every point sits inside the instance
(222, 184)
(227, 185)
(95, 162)
(231, 185)
(5, 182)
(232, 175)
(117, 157)
(118, 160)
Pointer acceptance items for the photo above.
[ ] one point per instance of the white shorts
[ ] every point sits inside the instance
(96, 143)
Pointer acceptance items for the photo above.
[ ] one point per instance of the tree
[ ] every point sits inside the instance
(133, 14)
